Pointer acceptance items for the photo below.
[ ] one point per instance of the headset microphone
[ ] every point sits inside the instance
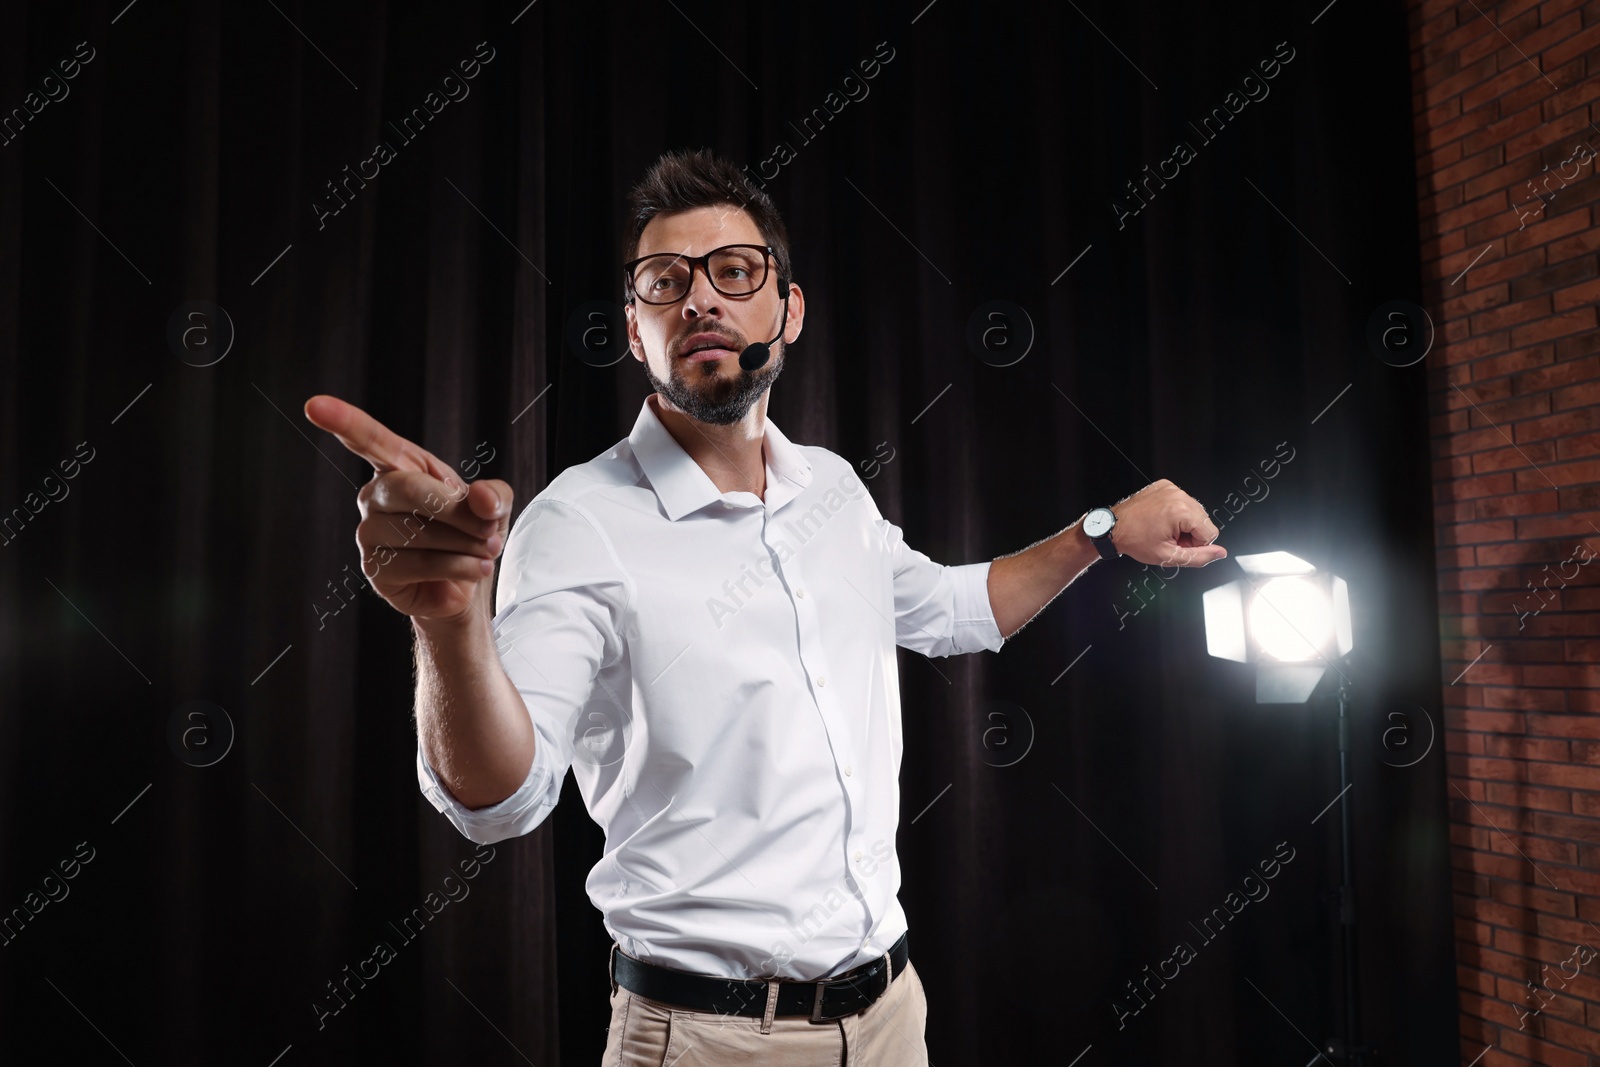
(754, 357)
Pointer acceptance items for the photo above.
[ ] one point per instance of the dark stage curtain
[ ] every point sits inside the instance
(1212, 325)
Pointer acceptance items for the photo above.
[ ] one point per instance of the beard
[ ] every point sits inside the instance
(703, 392)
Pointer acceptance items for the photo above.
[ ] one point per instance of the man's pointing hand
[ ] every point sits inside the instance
(428, 540)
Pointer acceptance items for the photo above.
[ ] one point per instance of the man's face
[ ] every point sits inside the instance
(709, 386)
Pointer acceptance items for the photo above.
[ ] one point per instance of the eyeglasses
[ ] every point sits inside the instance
(665, 278)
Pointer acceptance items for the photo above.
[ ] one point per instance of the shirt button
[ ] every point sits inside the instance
(847, 773)
(821, 681)
(858, 860)
(801, 593)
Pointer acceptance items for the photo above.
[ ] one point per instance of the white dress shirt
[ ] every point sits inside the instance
(719, 673)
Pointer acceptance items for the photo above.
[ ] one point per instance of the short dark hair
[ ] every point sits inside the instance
(685, 179)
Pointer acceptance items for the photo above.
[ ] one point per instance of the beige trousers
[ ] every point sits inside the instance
(887, 1033)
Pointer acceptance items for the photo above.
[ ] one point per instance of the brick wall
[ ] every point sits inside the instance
(1506, 104)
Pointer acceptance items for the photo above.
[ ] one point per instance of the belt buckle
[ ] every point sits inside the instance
(823, 984)
(816, 1008)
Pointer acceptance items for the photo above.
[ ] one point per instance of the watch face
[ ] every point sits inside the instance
(1098, 521)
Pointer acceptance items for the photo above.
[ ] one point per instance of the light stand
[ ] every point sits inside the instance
(1283, 616)
(1350, 1050)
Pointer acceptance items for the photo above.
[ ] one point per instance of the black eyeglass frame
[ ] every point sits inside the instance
(704, 263)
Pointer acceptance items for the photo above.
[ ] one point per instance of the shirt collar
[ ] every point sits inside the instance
(680, 484)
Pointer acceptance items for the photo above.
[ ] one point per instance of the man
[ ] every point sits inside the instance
(701, 624)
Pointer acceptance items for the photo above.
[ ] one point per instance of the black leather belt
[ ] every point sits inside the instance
(824, 999)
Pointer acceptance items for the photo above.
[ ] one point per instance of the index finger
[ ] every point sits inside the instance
(372, 440)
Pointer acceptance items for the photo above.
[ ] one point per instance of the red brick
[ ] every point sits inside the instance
(1528, 748)
(1574, 620)
(1559, 134)
(1482, 486)
(1490, 90)
(1523, 359)
(1569, 726)
(1510, 314)
(1565, 775)
(1476, 532)
(1528, 404)
(1493, 268)
(1431, 26)
(1563, 424)
(1585, 395)
(1534, 1050)
(1449, 422)
(1528, 796)
(1505, 722)
(1578, 498)
(1442, 156)
(1585, 471)
(1569, 675)
(1571, 46)
(1583, 344)
(1536, 453)
(1577, 320)
(1522, 649)
(1481, 982)
(1525, 699)
(1583, 701)
(1519, 504)
(1440, 124)
(1438, 247)
(1504, 601)
(1572, 1036)
(1462, 444)
(1431, 204)
(1475, 300)
(1477, 37)
(1497, 133)
(1515, 552)
(1565, 273)
(1549, 229)
(1458, 351)
(1567, 99)
(1573, 296)
(1535, 898)
(1587, 444)
(1457, 83)
(1567, 827)
(1572, 246)
(1545, 37)
(1504, 770)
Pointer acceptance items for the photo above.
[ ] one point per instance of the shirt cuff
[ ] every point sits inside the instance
(515, 815)
(976, 627)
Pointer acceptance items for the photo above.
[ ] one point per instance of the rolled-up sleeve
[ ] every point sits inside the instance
(939, 610)
(513, 816)
(561, 600)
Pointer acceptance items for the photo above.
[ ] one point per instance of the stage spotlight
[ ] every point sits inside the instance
(1286, 617)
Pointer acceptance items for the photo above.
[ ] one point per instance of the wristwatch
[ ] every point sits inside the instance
(1097, 525)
